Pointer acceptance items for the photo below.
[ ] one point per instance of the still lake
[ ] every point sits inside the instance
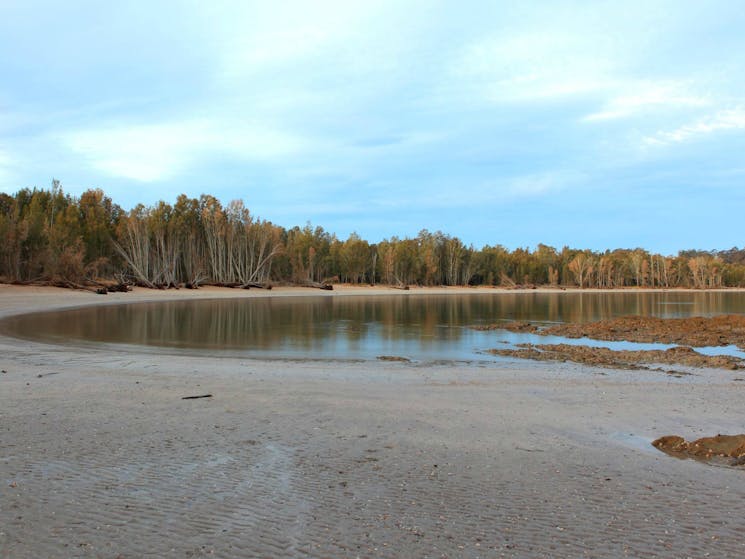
(420, 327)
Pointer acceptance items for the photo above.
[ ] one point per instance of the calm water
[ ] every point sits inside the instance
(420, 327)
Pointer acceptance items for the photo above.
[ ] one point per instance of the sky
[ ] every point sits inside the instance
(591, 124)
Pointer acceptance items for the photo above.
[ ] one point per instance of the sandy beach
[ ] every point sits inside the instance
(101, 457)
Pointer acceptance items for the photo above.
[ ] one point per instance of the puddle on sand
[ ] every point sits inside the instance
(636, 442)
(515, 339)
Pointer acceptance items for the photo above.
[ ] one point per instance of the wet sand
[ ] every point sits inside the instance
(101, 457)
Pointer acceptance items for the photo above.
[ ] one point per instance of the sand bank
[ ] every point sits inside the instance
(101, 457)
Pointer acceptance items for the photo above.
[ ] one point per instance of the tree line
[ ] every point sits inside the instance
(49, 236)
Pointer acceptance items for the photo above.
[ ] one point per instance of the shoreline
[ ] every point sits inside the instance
(101, 457)
(19, 299)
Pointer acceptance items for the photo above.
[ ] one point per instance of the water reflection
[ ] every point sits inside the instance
(417, 326)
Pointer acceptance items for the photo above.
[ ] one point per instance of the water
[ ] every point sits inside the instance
(419, 327)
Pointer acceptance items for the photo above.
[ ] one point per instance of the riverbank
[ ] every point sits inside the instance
(29, 298)
(101, 457)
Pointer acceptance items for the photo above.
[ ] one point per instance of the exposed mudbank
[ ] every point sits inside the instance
(721, 449)
(394, 358)
(694, 331)
(623, 359)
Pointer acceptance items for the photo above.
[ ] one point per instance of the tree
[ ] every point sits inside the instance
(355, 256)
(581, 266)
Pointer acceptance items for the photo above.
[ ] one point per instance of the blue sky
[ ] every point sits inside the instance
(590, 124)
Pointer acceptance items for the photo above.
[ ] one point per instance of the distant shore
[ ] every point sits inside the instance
(101, 456)
(16, 299)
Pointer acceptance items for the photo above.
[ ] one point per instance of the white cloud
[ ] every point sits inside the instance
(733, 119)
(262, 37)
(531, 66)
(633, 97)
(149, 153)
(479, 194)
(542, 66)
(539, 184)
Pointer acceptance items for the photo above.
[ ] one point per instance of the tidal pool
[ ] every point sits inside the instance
(415, 326)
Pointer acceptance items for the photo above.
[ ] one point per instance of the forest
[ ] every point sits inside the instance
(49, 237)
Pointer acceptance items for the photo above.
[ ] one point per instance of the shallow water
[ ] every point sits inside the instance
(419, 327)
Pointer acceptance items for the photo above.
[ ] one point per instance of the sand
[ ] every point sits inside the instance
(101, 457)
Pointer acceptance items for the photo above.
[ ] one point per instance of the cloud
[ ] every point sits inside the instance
(539, 184)
(726, 120)
(633, 97)
(498, 191)
(155, 152)
(531, 65)
(262, 38)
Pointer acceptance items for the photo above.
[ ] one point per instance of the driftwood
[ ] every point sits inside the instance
(90, 285)
(257, 285)
(506, 280)
(324, 286)
(101, 289)
(197, 397)
(121, 287)
(399, 284)
(72, 285)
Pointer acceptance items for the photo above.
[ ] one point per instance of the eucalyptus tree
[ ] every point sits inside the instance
(308, 253)
(187, 222)
(355, 258)
(581, 266)
(133, 244)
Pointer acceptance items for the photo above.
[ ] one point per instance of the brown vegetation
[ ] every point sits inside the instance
(394, 358)
(514, 326)
(624, 359)
(696, 331)
(729, 449)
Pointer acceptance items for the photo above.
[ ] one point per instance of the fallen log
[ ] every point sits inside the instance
(324, 286)
(72, 285)
(250, 284)
(197, 397)
(119, 288)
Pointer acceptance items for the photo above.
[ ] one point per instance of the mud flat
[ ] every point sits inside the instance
(624, 359)
(694, 331)
(101, 457)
